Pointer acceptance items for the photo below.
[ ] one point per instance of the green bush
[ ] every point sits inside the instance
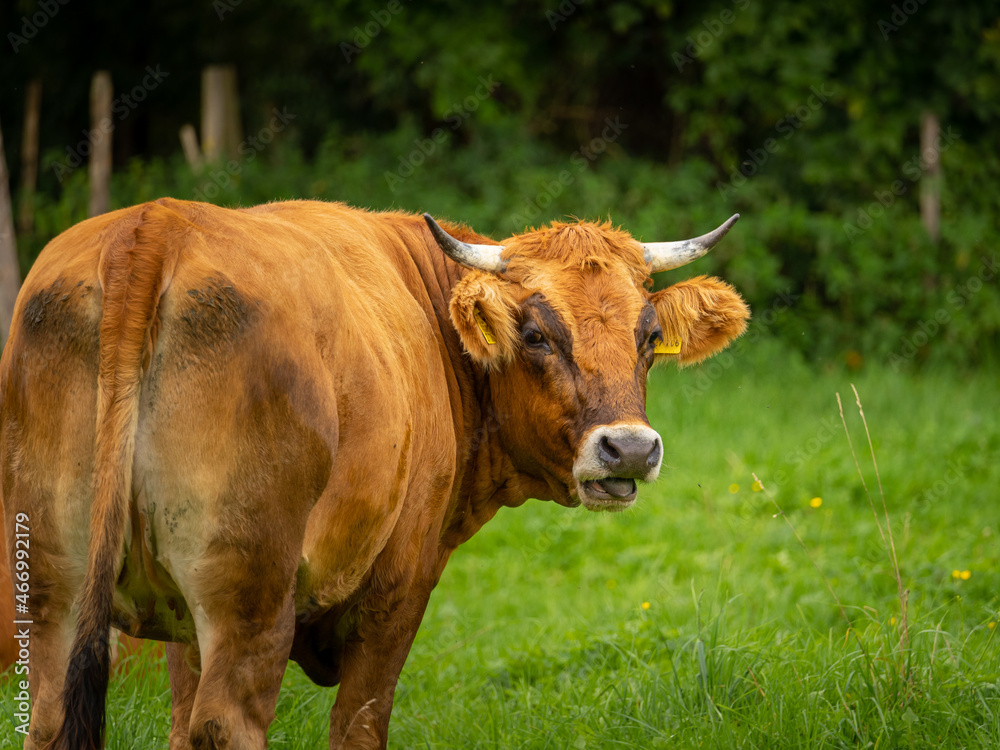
(881, 291)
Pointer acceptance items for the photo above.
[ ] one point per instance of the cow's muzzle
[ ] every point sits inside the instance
(611, 459)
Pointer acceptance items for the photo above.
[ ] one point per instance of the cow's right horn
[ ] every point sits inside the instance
(482, 257)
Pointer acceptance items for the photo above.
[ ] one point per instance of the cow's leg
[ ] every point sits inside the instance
(372, 663)
(245, 633)
(183, 684)
(48, 646)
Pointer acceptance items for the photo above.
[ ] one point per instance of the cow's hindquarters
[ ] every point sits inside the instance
(229, 472)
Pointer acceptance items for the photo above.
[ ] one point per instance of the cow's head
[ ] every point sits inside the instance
(562, 319)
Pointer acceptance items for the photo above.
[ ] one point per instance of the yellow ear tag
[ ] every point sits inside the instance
(674, 347)
(484, 327)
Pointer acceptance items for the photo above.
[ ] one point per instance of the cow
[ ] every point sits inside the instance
(259, 434)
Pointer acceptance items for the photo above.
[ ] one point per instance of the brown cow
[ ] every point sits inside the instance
(259, 435)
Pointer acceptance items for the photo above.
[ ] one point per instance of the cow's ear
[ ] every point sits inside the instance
(483, 315)
(705, 314)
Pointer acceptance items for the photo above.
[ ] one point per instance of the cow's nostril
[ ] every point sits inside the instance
(609, 454)
(654, 455)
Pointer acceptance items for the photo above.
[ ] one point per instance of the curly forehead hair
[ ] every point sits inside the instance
(582, 245)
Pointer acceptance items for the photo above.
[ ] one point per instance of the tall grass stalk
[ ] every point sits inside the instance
(888, 544)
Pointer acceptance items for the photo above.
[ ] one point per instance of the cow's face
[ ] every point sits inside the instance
(568, 332)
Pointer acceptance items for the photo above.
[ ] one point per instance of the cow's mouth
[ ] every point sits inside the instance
(609, 493)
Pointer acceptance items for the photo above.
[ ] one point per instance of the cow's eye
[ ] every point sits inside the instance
(533, 338)
(656, 337)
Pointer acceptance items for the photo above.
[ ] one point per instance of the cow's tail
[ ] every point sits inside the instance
(134, 271)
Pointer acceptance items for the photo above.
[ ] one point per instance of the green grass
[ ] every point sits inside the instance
(537, 636)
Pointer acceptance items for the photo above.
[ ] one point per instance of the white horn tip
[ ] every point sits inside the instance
(665, 256)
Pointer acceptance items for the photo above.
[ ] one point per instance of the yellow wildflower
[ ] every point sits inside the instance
(756, 487)
(645, 605)
(734, 488)
(816, 502)
(966, 575)
(956, 574)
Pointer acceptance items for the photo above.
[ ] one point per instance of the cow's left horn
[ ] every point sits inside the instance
(483, 257)
(664, 256)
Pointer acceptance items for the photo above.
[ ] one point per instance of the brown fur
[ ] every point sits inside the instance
(298, 419)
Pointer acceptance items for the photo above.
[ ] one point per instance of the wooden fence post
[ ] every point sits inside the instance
(930, 184)
(189, 143)
(29, 156)
(101, 129)
(221, 132)
(10, 273)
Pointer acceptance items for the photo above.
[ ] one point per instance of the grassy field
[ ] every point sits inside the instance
(698, 619)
